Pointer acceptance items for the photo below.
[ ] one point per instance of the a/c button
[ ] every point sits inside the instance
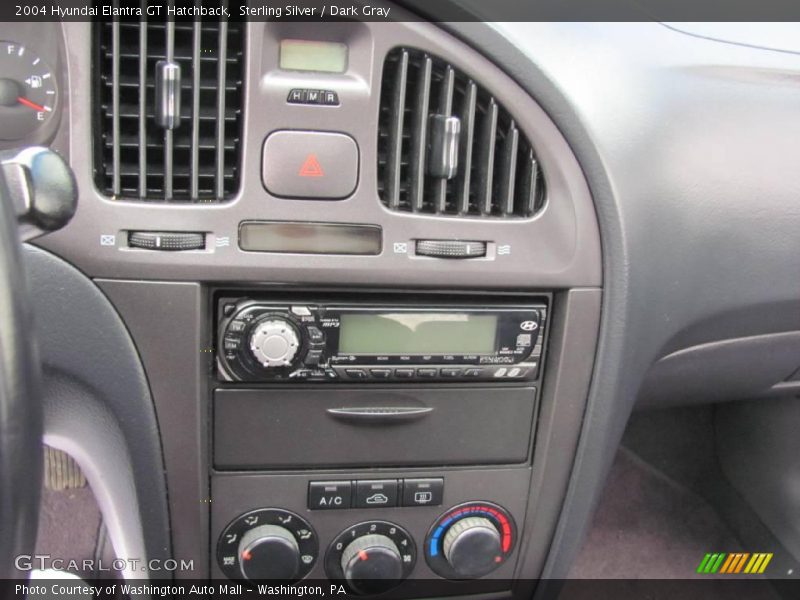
(328, 495)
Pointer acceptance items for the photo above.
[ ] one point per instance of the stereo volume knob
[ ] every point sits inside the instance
(274, 343)
(472, 545)
(269, 553)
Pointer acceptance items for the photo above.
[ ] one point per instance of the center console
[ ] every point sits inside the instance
(375, 439)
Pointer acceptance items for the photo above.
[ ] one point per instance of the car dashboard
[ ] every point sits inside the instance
(371, 302)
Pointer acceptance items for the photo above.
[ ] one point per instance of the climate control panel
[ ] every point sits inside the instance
(468, 541)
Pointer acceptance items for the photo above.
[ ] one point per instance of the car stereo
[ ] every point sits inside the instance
(286, 342)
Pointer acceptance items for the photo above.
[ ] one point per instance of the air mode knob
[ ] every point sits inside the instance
(269, 553)
(267, 544)
(274, 343)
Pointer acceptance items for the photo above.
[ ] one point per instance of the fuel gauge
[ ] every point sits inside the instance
(28, 91)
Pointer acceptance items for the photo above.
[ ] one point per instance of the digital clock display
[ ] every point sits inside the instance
(305, 55)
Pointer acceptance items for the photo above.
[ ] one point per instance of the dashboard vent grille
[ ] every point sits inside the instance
(496, 172)
(152, 145)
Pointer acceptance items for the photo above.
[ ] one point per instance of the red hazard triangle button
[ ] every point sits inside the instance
(311, 167)
(317, 165)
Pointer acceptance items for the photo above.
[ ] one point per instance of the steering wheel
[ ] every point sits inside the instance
(20, 402)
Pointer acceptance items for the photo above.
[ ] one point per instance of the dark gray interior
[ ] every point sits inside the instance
(660, 417)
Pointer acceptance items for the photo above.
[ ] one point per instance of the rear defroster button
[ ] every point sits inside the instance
(423, 492)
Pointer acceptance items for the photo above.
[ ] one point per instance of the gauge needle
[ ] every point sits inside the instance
(30, 104)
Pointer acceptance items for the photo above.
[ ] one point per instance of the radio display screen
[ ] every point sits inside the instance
(406, 333)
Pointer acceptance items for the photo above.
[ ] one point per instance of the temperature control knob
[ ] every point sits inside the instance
(470, 540)
(471, 546)
(269, 553)
(371, 557)
(274, 343)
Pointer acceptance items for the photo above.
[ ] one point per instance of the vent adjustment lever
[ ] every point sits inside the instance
(450, 248)
(166, 240)
(444, 135)
(168, 94)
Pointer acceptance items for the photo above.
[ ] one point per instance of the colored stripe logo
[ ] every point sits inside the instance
(734, 563)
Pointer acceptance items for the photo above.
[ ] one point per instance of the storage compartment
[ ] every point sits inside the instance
(366, 426)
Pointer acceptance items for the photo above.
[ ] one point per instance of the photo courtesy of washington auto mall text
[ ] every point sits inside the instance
(79, 590)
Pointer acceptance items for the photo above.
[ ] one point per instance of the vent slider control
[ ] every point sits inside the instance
(166, 240)
(450, 248)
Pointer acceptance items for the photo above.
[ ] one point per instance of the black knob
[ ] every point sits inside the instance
(269, 553)
(473, 547)
(372, 564)
(42, 188)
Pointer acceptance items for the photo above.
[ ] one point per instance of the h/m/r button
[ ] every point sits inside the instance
(329, 495)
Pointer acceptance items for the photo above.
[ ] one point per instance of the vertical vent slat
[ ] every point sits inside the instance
(508, 170)
(446, 109)
(395, 154)
(138, 153)
(142, 111)
(465, 149)
(492, 172)
(197, 36)
(486, 143)
(168, 155)
(116, 187)
(419, 136)
(222, 80)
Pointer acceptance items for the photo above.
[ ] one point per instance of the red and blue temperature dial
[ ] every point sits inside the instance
(470, 540)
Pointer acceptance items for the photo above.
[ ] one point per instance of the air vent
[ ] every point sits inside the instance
(447, 147)
(168, 109)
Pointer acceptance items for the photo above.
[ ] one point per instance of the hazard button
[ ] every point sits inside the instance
(310, 164)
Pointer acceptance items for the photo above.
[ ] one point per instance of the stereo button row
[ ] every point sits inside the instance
(408, 373)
